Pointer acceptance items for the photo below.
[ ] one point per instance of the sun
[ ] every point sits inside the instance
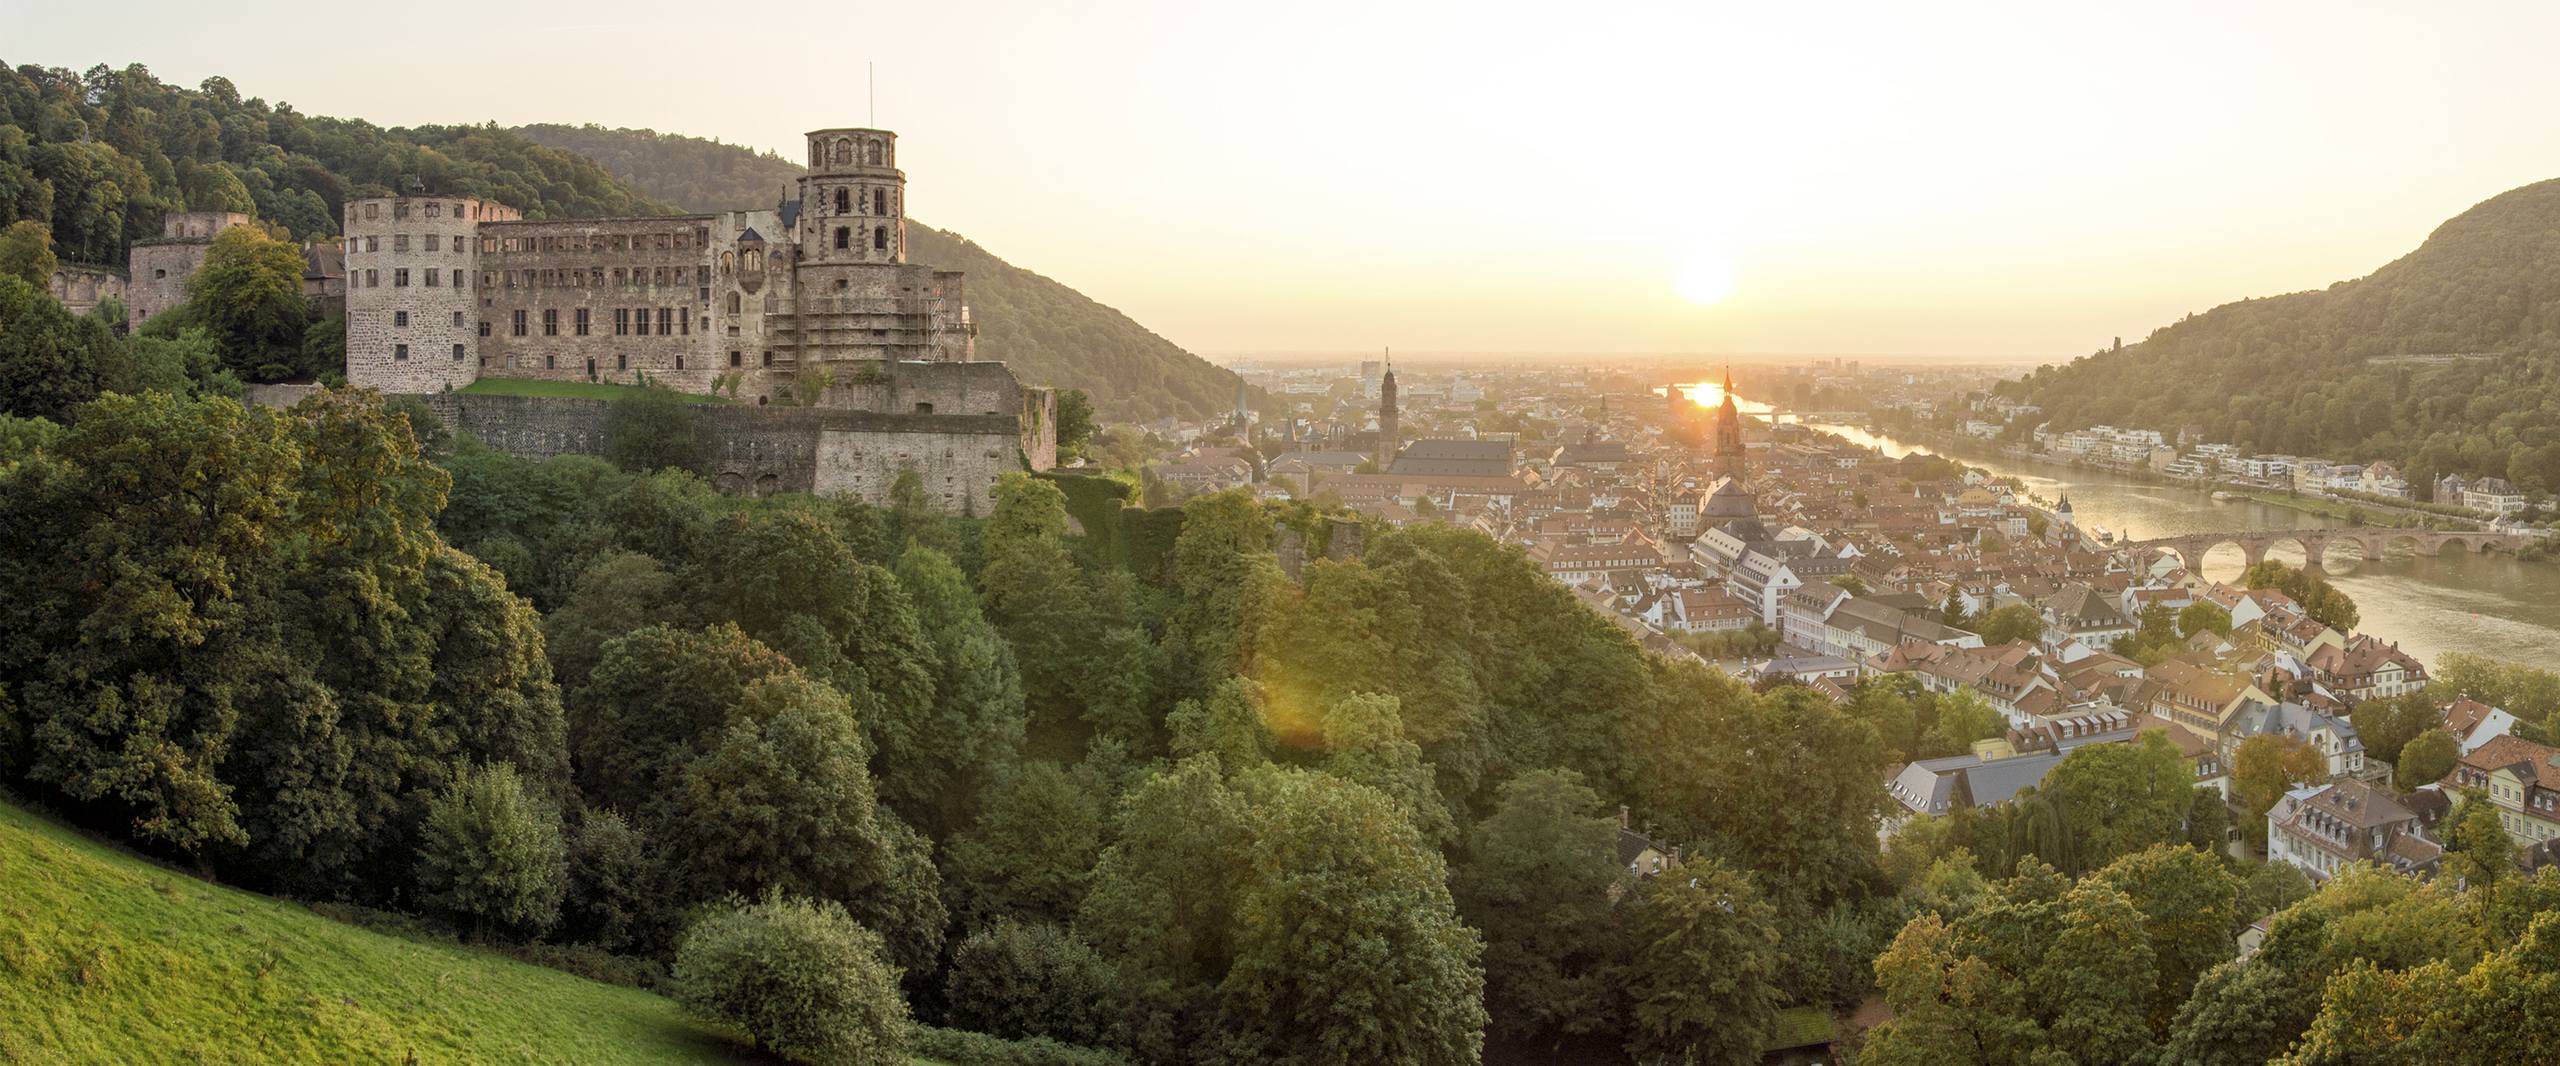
(1707, 280)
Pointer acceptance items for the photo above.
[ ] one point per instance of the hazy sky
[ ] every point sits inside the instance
(1977, 179)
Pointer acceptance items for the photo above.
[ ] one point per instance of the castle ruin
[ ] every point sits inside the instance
(809, 304)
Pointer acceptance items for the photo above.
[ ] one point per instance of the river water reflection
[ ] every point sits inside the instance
(2491, 605)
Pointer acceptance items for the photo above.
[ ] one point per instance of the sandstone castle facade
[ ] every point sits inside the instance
(810, 304)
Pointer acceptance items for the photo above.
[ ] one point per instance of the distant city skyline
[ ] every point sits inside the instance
(1976, 182)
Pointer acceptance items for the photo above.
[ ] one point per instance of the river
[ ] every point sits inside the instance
(2490, 605)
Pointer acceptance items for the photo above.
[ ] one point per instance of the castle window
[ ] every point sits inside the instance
(733, 359)
(399, 212)
(519, 323)
(457, 210)
(457, 279)
(372, 209)
(844, 237)
(679, 360)
(457, 320)
(400, 278)
(702, 236)
(842, 285)
(432, 241)
(734, 303)
(435, 211)
(880, 238)
(871, 153)
(399, 242)
(457, 353)
(879, 201)
(844, 202)
(621, 321)
(755, 261)
(844, 154)
(581, 325)
(684, 325)
(622, 362)
(484, 327)
(372, 279)
(768, 358)
(160, 273)
(399, 353)
(550, 322)
(664, 314)
(595, 277)
(658, 276)
(591, 368)
(373, 244)
(617, 277)
(924, 408)
(664, 241)
(431, 277)
(400, 319)
(550, 362)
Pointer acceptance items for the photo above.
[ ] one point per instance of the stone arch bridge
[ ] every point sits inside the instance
(2315, 543)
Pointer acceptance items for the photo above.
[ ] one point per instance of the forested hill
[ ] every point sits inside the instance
(1048, 333)
(100, 156)
(2331, 373)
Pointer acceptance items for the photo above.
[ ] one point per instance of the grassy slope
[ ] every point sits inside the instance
(106, 958)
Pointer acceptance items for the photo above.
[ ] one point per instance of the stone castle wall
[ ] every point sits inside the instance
(764, 450)
(81, 287)
(412, 265)
(157, 274)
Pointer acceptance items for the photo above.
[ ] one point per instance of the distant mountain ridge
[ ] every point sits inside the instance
(2327, 372)
(1048, 333)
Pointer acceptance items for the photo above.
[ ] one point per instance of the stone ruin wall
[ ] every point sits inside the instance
(765, 450)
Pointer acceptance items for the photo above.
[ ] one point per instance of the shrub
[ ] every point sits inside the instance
(800, 977)
(1018, 980)
(490, 856)
(980, 1049)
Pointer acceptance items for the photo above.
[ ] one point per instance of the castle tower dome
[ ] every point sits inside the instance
(853, 201)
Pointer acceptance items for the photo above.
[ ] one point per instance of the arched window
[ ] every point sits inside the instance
(728, 262)
(879, 238)
(871, 154)
(844, 237)
(879, 201)
(844, 151)
(817, 154)
(733, 303)
(755, 261)
(844, 202)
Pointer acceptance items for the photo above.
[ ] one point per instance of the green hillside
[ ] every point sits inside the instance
(2331, 372)
(106, 958)
(101, 155)
(1048, 333)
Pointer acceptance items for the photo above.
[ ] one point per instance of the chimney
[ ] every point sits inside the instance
(1625, 818)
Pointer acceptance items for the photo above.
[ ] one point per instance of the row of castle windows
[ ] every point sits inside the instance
(433, 209)
(591, 278)
(841, 152)
(400, 243)
(400, 319)
(879, 238)
(400, 278)
(400, 353)
(678, 241)
(627, 321)
(845, 202)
